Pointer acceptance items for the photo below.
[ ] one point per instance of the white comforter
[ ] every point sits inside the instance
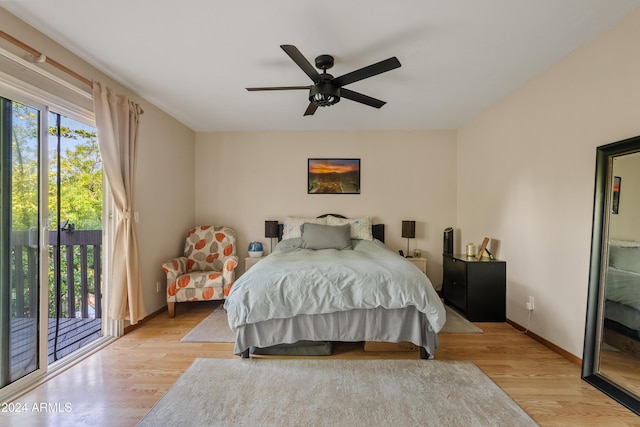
(294, 281)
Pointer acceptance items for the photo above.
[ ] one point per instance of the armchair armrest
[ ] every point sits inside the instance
(229, 273)
(174, 267)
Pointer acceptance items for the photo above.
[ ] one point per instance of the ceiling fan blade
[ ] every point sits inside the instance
(251, 89)
(310, 109)
(366, 72)
(363, 99)
(301, 61)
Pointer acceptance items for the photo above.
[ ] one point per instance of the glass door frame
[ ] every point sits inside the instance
(43, 318)
(19, 91)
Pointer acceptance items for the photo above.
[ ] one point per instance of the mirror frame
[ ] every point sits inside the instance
(599, 252)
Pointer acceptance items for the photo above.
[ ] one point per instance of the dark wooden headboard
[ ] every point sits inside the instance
(376, 229)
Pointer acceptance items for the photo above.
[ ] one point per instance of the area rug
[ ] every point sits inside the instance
(215, 328)
(457, 324)
(277, 392)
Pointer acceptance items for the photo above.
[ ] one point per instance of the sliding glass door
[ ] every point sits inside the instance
(75, 236)
(21, 318)
(51, 216)
(51, 234)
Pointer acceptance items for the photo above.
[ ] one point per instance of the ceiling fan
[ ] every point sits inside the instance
(327, 90)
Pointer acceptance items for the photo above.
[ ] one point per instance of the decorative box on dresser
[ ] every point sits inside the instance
(477, 288)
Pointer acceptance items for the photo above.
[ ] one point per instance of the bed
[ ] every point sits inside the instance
(331, 279)
(622, 297)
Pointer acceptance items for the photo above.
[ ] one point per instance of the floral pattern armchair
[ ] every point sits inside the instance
(206, 271)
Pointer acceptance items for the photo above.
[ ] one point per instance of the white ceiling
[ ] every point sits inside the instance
(193, 58)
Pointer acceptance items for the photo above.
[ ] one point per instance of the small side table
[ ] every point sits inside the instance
(251, 261)
(421, 263)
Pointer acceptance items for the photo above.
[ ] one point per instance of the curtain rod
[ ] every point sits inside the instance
(40, 57)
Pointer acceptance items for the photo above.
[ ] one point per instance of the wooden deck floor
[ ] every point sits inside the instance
(72, 334)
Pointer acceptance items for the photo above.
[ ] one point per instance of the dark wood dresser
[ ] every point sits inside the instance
(477, 288)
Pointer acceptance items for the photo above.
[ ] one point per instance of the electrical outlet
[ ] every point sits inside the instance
(158, 287)
(530, 304)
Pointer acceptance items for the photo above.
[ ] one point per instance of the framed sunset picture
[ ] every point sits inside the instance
(615, 201)
(333, 176)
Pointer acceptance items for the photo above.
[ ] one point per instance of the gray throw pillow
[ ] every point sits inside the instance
(317, 236)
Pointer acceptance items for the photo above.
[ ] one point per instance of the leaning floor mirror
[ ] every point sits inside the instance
(611, 359)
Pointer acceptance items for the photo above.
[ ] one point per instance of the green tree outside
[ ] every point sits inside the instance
(80, 183)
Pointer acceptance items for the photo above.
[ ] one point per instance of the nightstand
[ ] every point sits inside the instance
(421, 263)
(251, 261)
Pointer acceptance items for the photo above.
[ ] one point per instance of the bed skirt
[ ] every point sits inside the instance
(378, 324)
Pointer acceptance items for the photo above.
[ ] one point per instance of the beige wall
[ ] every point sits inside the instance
(536, 153)
(245, 178)
(165, 196)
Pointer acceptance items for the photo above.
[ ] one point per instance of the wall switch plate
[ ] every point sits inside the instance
(158, 287)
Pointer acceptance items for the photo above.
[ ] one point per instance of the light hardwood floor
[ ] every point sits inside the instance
(119, 384)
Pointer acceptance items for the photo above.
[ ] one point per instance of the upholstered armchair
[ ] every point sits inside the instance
(206, 271)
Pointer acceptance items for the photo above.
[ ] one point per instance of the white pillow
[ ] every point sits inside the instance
(293, 226)
(360, 227)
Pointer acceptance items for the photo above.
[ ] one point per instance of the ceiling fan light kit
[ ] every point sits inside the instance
(327, 90)
(324, 94)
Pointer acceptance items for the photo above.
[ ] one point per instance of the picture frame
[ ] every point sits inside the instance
(333, 176)
(483, 246)
(615, 199)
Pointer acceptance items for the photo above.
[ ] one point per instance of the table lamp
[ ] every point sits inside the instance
(408, 232)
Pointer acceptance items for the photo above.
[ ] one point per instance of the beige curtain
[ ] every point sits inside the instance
(117, 120)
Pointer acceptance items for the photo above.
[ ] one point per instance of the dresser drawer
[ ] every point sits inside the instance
(455, 271)
(455, 294)
(454, 286)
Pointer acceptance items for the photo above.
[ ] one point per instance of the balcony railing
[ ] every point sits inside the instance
(80, 270)
(77, 248)
(79, 245)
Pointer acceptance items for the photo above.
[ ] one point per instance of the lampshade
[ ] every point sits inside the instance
(271, 229)
(409, 229)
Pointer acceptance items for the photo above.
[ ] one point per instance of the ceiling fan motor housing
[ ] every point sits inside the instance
(324, 94)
